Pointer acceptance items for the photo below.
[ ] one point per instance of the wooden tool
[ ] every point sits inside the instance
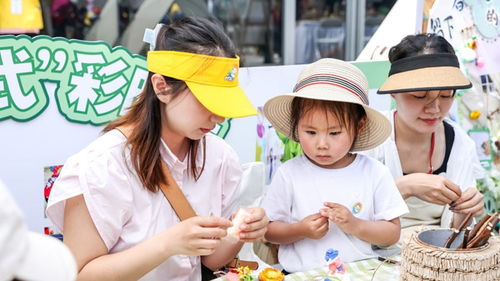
(484, 232)
(466, 237)
(478, 225)
(455, 233)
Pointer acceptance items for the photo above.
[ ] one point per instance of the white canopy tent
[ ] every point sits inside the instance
(404, 18)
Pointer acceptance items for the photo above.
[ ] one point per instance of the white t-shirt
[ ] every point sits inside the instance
(125, 213)
(300, 188)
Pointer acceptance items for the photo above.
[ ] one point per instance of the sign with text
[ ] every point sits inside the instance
(95, 83)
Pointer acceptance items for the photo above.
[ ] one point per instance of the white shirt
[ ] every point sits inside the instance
(463, 168)
(125, 213)
(300, 188)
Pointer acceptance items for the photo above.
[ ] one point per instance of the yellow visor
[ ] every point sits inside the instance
(212, 80)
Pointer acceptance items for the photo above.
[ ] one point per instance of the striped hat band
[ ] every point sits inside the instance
(330, 80)
(333, 80)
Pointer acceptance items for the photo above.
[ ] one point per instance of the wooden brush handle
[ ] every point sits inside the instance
(452, 238)
(478, 225)
(495, 221)
(465, 222)
(466, 237)
(454, 235)
(480, 237)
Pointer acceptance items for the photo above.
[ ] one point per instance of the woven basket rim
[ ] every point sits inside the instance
(422, 243)
(421, 261)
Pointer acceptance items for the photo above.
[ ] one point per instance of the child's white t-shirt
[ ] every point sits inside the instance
(125, 213)
(299, 189)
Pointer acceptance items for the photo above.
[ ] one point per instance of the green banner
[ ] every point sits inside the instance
(375, 71)
(94, 83)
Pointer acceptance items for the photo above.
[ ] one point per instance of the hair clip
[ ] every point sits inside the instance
(150, 36)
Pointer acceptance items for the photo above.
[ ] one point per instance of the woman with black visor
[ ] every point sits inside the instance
(432, 160)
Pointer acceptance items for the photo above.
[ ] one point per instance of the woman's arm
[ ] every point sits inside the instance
(190, 237)
(227, 250)
(430, 188)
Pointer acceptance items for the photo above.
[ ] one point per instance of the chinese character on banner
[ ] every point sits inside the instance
(91, 82)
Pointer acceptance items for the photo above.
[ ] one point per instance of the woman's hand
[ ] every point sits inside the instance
(254, 225)
(430, 188)
(341, 216)
(196, 236)
(314, 226)
(471, 201)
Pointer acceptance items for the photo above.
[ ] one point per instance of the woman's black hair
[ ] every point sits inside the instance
(420, 44)
(194, 35)
(191, 35)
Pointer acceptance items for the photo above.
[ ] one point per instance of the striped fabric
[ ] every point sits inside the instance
(365, 270)
(335, 80)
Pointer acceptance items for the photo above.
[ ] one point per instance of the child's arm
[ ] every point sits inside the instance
(381, 232)
(314, 226)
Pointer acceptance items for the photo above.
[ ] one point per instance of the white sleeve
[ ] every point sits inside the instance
(472, 172)
(277, 201)
(464, 175)
(106, 191)
(388, 203)
(463, 151)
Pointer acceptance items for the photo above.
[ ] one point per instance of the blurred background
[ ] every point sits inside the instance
(266, 32)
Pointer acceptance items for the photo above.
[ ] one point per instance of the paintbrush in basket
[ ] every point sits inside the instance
(484, 232)
(455, 233)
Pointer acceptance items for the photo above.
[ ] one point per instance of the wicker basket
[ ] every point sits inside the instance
(421, 260)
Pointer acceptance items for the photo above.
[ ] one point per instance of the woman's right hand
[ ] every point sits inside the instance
(430, 188)
(196, 236)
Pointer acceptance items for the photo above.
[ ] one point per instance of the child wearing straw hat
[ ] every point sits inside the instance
(432, 160)
(107, 199)
(330, 197)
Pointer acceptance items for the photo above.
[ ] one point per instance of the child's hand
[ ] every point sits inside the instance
(314, 226)
(254, 225)
(340, 215)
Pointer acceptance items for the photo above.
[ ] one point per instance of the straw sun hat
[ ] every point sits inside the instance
(331, 80)
(440, 71)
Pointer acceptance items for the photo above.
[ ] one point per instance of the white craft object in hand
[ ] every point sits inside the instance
(233, 232)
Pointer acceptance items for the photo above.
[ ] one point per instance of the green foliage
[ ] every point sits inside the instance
(292, 148)
(490, 188)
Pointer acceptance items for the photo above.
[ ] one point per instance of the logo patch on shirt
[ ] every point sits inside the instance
(356, 208)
